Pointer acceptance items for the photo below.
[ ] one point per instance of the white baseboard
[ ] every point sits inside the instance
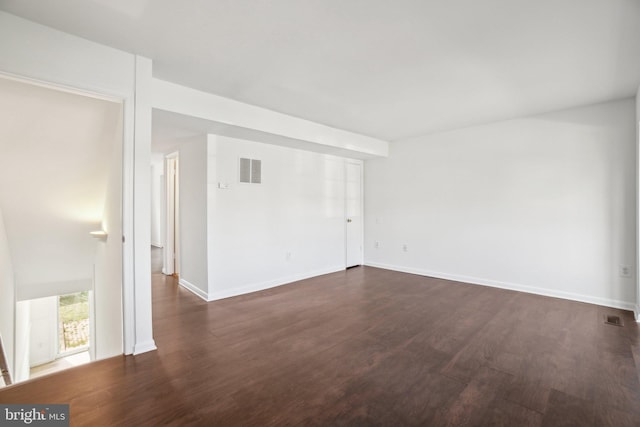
(637, 313)
(193, 289)
(255, 287)
(624, 305)
(144, 347)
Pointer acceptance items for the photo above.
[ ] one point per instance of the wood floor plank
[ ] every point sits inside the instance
(566, 410)
(504, 413)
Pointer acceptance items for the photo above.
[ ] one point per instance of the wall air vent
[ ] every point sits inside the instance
(613, 320)
(250, 171)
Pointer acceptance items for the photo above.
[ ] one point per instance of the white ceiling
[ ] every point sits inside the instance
(50, 199)
(387, 69)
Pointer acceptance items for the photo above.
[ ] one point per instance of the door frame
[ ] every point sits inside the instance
(171, 253)
(127, 205)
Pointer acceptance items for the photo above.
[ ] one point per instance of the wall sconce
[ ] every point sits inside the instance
(100, 234)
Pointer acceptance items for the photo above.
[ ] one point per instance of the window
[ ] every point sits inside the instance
(73, 322)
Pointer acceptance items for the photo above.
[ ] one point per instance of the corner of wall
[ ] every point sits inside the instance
(143, 347)
(637, 260)
(193, 289)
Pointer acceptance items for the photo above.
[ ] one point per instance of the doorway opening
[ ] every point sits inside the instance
(64, 149)
(158, 207)
(74, 330)
(172, 223)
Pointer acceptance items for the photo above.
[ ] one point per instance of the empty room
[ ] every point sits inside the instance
(331, 213)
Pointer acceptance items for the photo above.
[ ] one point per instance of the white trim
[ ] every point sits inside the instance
(92, 320)
(127, 211)
(255, 287)
(193, 288)
(144, 347)
(624, 305)
(637, 213)
(156, 245)
(62, 87)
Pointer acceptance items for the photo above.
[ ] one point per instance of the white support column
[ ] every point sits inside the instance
(143, 341)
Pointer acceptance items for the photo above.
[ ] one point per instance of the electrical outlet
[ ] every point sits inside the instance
(405, 248)
(625, 271)
(376, 244)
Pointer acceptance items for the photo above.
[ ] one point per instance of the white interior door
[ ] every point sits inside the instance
(353, 211)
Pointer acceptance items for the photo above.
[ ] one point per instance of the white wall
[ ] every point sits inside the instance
(7, 299)
(637, 309)
(288, 227)
(638, 104)
(193, 214)
(544, 204)
(107, 331)
(157, 177)
(23, 331)
(43, 346)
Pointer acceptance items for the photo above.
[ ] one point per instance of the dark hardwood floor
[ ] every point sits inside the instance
(363, 347)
